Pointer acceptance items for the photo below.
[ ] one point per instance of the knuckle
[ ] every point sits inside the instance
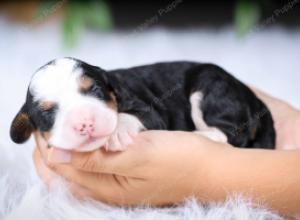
(50, 165)
(87, 163)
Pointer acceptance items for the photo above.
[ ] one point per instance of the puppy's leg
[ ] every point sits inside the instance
(212, 133)
(128, 127)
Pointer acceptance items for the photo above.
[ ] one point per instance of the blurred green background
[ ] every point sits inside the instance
(105, 15)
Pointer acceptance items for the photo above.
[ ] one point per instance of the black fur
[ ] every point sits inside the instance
(159, 94)
(100, 89)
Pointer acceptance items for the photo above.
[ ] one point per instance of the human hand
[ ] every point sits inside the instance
(159, 168)
(286, 121)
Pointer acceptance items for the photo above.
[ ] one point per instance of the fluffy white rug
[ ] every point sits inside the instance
(268, 59)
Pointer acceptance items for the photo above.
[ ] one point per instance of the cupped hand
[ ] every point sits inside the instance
(286, 121)
(159, 168)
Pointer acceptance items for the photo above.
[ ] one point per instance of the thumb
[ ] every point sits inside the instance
(98, 161)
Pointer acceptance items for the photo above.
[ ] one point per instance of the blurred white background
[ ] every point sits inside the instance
(268, 58)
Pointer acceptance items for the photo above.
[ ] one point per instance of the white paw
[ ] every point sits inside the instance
(128, 127)
(214, 134)
(120, 140)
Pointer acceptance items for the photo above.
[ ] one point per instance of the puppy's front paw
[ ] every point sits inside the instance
(120, 140)
(128, 127)
(214, 134)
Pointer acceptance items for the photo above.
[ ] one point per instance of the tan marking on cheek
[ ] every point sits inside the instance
(46, 105)
(113, 103)
(85, 83)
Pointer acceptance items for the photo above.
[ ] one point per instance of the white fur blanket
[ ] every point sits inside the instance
(269, 60)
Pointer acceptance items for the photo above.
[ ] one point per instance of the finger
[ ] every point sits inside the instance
(121, 163)
(100, 161)
(78, 182)
(82, 193)
(49, 178)
(43, 171)
(105, 186)
(79, 192)
(40, 140)
(42, 145)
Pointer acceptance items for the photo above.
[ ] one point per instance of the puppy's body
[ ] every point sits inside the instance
(162, 96)
(94, 107)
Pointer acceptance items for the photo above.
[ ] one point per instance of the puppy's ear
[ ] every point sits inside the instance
(21, 127)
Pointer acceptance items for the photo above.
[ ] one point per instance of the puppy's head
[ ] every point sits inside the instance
(70, 103)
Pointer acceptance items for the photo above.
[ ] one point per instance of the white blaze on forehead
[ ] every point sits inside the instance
(56, 79)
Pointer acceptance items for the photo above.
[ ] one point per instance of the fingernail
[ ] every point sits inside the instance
(59, 156)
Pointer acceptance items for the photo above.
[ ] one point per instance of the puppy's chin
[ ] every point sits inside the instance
(92, 145)
(87, 146)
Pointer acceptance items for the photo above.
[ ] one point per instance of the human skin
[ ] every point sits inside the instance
(163, 167)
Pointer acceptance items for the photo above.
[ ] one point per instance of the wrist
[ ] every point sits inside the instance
(280, 109)
(287, 127)
(207, 185)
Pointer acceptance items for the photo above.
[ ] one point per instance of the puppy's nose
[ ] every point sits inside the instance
(84, 127)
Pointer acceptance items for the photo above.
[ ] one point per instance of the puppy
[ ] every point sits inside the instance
(77, 106)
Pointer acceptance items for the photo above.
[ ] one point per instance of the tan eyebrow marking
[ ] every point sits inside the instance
(46, 105)
(85, 83)
(112, 104)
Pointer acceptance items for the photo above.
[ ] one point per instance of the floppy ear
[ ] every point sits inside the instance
(21, 127)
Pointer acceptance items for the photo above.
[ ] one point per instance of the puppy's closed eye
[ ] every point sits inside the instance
(88, 86)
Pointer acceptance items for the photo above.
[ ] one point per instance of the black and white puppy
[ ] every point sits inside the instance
(82, 107)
